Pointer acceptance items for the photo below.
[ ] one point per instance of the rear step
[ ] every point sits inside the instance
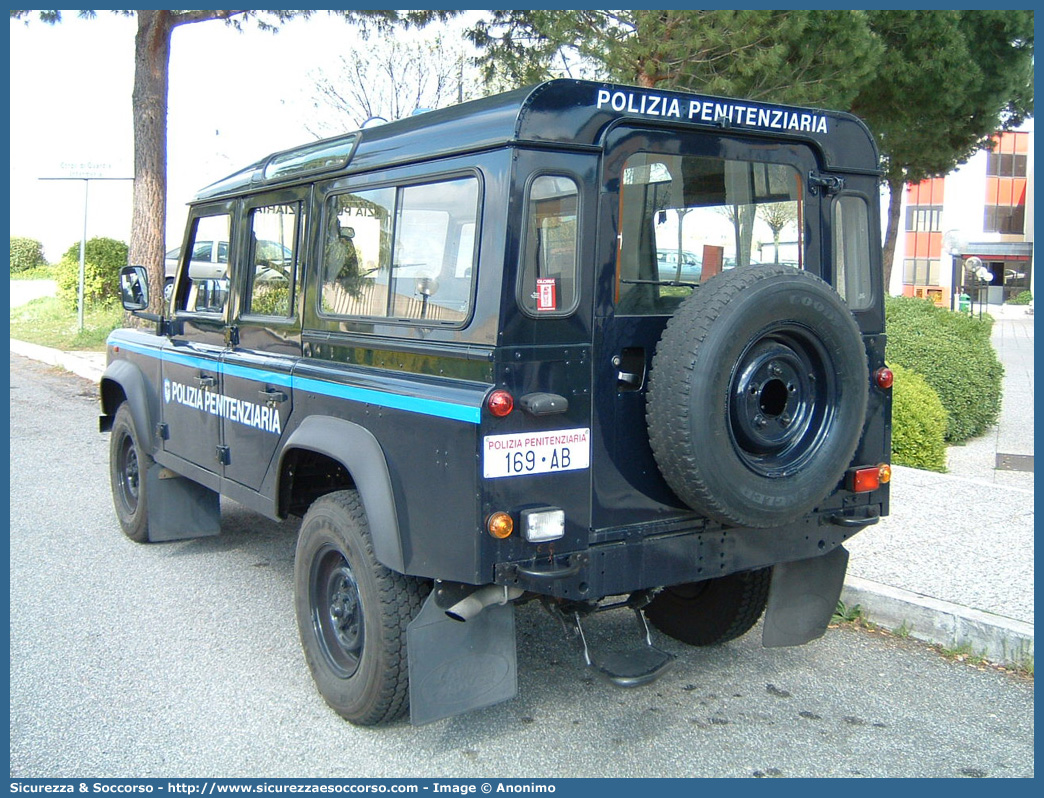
(630, 667)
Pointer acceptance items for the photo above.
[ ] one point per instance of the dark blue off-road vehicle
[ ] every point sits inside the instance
(452, 345)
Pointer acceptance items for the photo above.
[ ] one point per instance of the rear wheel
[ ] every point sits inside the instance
(352, 613)
(713, 611)
(128, 465)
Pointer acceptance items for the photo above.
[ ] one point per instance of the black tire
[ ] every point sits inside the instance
(714, 611)
(168, 290)
(757, 396)
(352, 613)
(128, 465)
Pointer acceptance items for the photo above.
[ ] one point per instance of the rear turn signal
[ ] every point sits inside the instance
(883, 377)
(500, 525)
(868, 478)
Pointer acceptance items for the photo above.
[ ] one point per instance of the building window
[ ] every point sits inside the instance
(1005, 210)
(920, 271)
(1006, 164)
(924, 218)
(1000, 219)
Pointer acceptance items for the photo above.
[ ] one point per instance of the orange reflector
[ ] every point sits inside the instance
(500, 525)
(863, 480)
(884, 473)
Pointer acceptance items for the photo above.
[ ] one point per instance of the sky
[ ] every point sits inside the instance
(234, 98)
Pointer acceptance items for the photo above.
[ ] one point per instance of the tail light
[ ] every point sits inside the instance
(868, 478)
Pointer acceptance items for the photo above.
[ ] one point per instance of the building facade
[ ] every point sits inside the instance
(983, 210)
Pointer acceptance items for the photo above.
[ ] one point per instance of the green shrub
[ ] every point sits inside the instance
(103, 259)
(918, 422)
(953, 353)
(26, 254)
(1023, 298)
(271, 298)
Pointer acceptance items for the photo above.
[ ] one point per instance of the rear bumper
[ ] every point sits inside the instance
(670, 558)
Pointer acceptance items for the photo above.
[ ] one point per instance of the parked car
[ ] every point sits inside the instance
(667, 264)
(210, 262)
(480, 393)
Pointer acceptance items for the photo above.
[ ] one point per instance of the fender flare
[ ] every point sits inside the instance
(361, 454)
(131, 382)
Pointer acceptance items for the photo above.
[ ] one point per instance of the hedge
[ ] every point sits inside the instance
(918, 422)
(953, 353)
(26, 254)
(103, 259)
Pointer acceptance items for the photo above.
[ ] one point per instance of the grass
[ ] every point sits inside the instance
(845, 614)
(48, 323)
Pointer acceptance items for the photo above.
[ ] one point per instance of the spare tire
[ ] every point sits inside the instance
(757, 396)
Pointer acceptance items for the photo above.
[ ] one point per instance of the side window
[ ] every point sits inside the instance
(208, 276)
(549, 259)
(273, 259)
(357, 253)
(852, 252)
(421, 273)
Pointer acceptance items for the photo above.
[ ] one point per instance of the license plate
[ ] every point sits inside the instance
(535, 453)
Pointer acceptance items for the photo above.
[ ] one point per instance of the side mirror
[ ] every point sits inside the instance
(134, 288)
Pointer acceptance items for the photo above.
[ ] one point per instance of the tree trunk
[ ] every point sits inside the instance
(895, 205)
(149, 215)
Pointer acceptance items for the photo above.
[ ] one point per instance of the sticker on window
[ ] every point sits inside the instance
(547, 293)
(535, 453)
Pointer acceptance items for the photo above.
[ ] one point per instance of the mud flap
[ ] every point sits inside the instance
(802, 598)
(179, 508)
(456, 667)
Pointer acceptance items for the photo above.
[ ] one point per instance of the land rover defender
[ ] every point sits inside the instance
(469, 371)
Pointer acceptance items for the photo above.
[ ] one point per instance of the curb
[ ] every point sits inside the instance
(80, 364)
(1001, 640)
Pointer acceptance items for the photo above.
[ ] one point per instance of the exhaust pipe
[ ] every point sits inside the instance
(467, 608)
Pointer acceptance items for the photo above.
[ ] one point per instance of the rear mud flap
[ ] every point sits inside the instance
(457, 667)
(179, 509)
(802, 598)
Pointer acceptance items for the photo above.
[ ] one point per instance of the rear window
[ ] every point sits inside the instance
(684, 219)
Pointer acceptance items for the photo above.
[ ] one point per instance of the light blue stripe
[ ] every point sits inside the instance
(411, 404)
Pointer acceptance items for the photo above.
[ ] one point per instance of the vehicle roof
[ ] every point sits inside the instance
(574, 113)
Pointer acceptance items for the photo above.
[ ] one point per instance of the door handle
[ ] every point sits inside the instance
(206, 381)
(271, 396)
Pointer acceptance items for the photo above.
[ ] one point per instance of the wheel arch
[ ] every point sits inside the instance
(122, 382)
(360, 454)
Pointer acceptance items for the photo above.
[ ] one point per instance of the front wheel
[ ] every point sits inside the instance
(713, 611)
(352, 613)
(128, 466)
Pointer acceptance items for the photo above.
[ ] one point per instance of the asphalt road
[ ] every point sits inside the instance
(182, 660)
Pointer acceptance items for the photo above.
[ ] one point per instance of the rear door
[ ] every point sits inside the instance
(724, 202)
(265, 336)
